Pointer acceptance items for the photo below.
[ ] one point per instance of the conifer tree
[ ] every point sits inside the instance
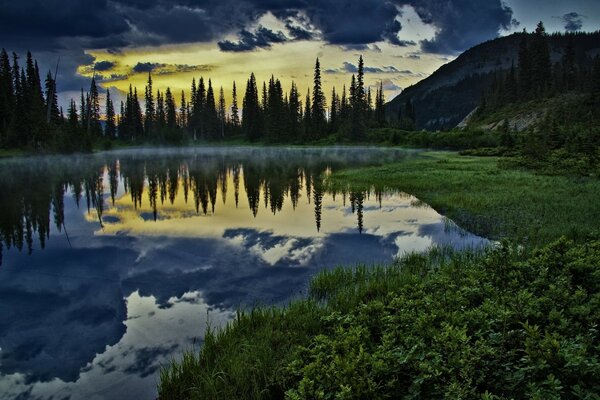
(344, 105)
(7, 94)
(93, 123)
(540, 61)
(380, 106)
(235, 117)
(251, 110)
(111, 128)
(53, 112)
(161, 114)
(318, 105)
(183, 112)
(150, 107)
(334, 112)
(524, 67)
(170, 110)
(295, 111)
(210, 113)
(221, 112)
(307, 117)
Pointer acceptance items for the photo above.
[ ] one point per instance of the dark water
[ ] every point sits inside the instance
(112, 263)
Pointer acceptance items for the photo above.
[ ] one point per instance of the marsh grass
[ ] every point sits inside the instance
(484, 198)
(476, 324)
(509, 321)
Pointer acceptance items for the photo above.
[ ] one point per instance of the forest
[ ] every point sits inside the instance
(30, 117)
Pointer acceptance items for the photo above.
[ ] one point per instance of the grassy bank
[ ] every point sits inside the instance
(489, 200)
(510, 322)
(437, 325)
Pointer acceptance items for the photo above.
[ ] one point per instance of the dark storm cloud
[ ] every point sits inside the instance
(573, 21)
(146, 67)
(104, 65)
(263, 37)
(118, 23)
(461, 24)
(299, 33)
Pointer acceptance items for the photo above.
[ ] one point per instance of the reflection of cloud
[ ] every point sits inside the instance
(98, 318)
(56, 324)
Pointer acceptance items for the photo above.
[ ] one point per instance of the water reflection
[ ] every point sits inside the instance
(112, 261)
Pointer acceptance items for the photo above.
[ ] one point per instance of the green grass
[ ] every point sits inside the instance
(491, 201)
(511, 321)
(485, 325)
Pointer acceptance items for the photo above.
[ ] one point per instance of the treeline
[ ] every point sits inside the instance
(568, 129)
(30, 116)
(268, 113)
(536, 76)
(38, 195)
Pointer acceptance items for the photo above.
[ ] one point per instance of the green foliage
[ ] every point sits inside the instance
(452, 140)
(440, 325)
(488, 197)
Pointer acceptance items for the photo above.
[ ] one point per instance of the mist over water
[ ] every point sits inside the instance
(111, 262)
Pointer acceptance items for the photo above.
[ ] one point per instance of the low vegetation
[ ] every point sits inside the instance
(511, 321)
(440, 325)
(486, 197)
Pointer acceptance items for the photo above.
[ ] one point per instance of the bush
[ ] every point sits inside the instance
(441, 325)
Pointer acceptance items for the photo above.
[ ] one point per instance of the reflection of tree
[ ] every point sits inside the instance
(318, 199)
(357, 198)
(35, 189)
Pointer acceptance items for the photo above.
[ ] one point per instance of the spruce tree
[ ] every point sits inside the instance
(334, 112)
(251, 110)
(540, 61)
(525, 72)
(318, 105)
(53, 112)
(93, 123)
(183, 112)
(380, 106)
(7, 95)
(150, 107)
(138, 123)
(221, 112)
(295, 112)
(308, 118)
(211, 113)
(235, 117)
(110, 130)
(170, 110)
(161, 115)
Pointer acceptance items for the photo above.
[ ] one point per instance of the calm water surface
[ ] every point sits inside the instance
(112, 263)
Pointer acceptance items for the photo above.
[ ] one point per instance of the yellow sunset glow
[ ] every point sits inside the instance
(287, 62)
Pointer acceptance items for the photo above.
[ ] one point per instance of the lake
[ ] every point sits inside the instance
(112, 264)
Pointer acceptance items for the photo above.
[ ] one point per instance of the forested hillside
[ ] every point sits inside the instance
(444, 99)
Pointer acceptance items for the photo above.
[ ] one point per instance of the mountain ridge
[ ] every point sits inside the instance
(443, 99)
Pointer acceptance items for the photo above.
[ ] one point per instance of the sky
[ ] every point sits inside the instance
(401, 41)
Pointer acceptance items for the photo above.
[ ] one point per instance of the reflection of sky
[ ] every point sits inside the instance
(95, 315)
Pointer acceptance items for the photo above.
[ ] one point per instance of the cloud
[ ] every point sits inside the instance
(120, 23)
(248, 41)
(104, 65)
(461, 24)
(348, 67)
(299, 33)
(573, 21)
(146, 67)
(388, 86)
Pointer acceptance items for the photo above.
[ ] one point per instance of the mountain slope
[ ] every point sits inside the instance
(444, 99)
